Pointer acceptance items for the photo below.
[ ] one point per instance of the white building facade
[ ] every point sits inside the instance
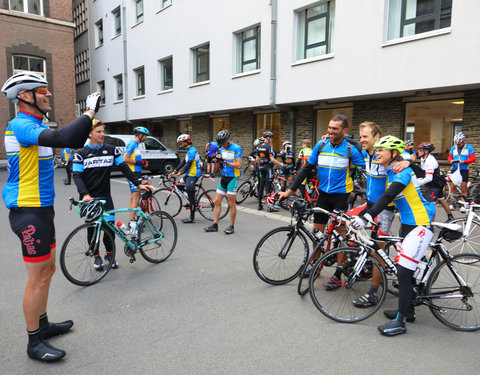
(288, 66)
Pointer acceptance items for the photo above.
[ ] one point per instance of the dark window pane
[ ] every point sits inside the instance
(20, 63)
(36, 65)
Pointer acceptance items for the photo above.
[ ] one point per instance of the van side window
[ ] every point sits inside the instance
(114, 141)
(153, 144)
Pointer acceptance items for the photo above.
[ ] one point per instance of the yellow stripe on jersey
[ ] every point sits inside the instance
(28, 189)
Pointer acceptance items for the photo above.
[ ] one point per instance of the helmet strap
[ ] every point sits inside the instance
(34, 104)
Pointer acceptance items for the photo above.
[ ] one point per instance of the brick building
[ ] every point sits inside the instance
(38, 36)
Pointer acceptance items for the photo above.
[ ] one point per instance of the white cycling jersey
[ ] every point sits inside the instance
(428, 164)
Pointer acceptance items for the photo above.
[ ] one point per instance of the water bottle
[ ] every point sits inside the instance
(318, 233)
(420, 270)
(122, 227)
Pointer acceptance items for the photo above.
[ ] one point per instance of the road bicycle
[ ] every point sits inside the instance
(148, 202)
(469, 242)
(155, 237)
(58, 162)
(248, 188)
(172, 199)
(451, 289)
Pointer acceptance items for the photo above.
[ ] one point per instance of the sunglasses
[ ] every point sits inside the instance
(41, 90)
(380, 149)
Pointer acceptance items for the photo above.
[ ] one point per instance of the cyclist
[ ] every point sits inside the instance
(303, 156)
(433, 179)
(91, 173)
(415, 218)
(288, 163)
(461, 156)
(67, 155)
(192, 169)
(211, 149)
(29, 195)
(333, 157)
(409, 152)
(133, 157)
(231, 156)
(265, 160)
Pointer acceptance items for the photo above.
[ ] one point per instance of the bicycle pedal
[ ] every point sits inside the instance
(132, 259)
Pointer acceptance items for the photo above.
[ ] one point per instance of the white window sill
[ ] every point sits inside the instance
(118, 101)
(250, 73)
(161, 10)
(100, 45)
(199, 84)
(314, 59)
(116, 36)
(138, 23)
(412, 38)
(139, 97)
(165, 92)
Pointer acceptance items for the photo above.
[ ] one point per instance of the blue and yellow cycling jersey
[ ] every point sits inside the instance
(229, 154)
(407, 155)
(376, 177)
(193, 156)
(333, 166)
(30, 177)
(133, 150)
(67, 154)
(413, 208)
(463, 155)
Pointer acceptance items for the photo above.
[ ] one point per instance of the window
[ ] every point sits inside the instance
(153, 144)
(435, 122)
(99, 33)
(411, 17)
(270, 121)
(315, 30)
(138, 11)
(140, 81)
(325, 115)
(248, 50)
(118, 87)
(184, 126)
(201, 63)
(82, 70)
(220, 123)
(101, 89)
(166, 67)
(80, 18)
(27, 6)
(165, 3)
(117, 22)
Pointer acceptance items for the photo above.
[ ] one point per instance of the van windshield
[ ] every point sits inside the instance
(153, 144)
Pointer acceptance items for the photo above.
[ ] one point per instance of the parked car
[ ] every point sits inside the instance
(161, 159)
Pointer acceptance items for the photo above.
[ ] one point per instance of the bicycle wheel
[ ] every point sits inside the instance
(149, 205)
(469, 242)
(157, 237)
(206, 205)
(474, 192)
(319, 250)
(392, 279)
(80, 250)
(462, 313)
(169, 201)
(243, 192)
(280, 255)
(334, 284)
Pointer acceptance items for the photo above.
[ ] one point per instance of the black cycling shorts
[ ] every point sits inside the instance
(329, 202)
(434, 193)
(36, 230)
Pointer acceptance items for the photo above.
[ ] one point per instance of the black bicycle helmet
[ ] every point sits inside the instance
(222, 137)
(91, 210)
(426, 146)
(267, 133)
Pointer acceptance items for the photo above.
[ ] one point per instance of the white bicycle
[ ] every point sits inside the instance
(470, 240)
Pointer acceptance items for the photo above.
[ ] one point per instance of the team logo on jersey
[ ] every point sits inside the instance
(98, 161)
(105, 152)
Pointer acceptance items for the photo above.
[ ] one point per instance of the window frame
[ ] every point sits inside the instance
(165, 3)
(117, 21)
(139, 16)
(163, 74)
(139, 85)
(99, 40)
(197, 57)
(118, 79)
(241, 41)
(25, 7)
(101, 89)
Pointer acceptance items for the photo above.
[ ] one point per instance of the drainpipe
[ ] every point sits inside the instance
(125, 63)
(273, 54)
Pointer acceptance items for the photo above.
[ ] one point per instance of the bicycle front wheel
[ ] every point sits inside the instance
(79, 251)
(149, 205)
(454, 305)
(243, 192)
(470, 241)
(280, 255)
(206, 205)
(339, 278)
(157, 237)
(169, 201)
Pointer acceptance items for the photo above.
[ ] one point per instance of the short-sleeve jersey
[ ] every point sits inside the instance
(30, 166)
(212, 149)
(264, 151)
(463, 155)
(412, 207)
(67, 151)
(407, 155)
(193, 156)
(333, 166)
(304, 154)
(133, 150)
(288, 157)
(376, 177)
(231, 153)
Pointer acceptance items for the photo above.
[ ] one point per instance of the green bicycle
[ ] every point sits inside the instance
(155, 237)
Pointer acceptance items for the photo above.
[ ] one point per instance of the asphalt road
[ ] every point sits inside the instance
(204, 311)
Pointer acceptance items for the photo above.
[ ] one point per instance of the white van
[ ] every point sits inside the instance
(160, 158)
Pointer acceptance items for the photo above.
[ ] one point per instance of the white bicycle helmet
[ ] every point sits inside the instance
(286, 143)
(257, 142)
(22, 82)
(459, 138)
(184, 138)
(91, 210)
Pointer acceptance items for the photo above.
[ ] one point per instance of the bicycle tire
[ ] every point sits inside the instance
(275, 268)
(243, 192)
(165, 241)
(302, 288)
(469, 242)
(77, 255)
(206, 205)
(447, 191)
(149, 205)
(474, 192)
(460, 314)
(337, 304)
(169, 201)
(391, 251)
